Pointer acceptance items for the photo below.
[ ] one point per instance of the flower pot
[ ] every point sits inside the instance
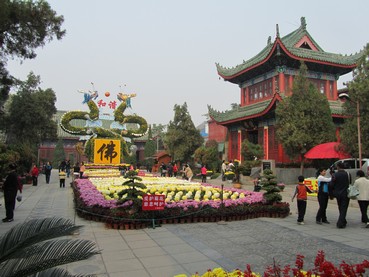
(237, 185)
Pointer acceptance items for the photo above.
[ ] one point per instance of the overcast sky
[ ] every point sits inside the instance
(165, 51)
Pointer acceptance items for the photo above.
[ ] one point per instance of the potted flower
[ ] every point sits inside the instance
(229, 175)
(209, 173)
(281, 186)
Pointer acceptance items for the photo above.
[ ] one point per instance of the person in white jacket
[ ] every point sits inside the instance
(362, 184)
(323, 196)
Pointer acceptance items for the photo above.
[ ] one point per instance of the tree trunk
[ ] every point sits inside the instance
(302, 165)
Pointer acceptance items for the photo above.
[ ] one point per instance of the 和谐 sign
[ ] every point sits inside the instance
(107, 151)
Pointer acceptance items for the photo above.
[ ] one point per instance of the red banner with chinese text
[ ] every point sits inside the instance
(153, 202)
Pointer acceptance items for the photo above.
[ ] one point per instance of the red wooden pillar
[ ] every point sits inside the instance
(327, 92)
(280, 153)
(239, 140)
(247, 96)
(229, 144)
(290, 85)
(266, 143)
(281, 82)
(335, 93)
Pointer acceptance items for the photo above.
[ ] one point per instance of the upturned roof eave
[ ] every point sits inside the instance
(229, 77)
(277, 97)
(305, 59)
(268, 107)
(289, 54)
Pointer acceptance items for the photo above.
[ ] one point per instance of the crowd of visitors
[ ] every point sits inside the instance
(335, 187)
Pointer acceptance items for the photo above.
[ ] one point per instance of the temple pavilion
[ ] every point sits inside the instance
(266, 79)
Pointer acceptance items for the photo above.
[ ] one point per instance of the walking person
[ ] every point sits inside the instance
(323, 196)
(223, 170)
(62, 176)
(163, 170)
(301, 191)
(175, 169)
(362, 184)
(340, 183)
(67, 168)
(34, 174)
(203, 174)
(76, 171)
(48, 168)
(188, 172)
(82, 169)
(10, 188)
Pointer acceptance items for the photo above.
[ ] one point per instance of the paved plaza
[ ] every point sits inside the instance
(189, 248)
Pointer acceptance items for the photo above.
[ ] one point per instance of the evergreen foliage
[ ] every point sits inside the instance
(133, 193)
(251, 151)
(150, 149)
(208, 155)
(358, 92)
(182, 137)
(304, 119)
(268, 183)
(59, 153)
(29, 115)
(25, 26)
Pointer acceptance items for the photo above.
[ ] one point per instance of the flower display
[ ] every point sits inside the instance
(322, 268)
(102, 197)
(179, 193)
(229, 175)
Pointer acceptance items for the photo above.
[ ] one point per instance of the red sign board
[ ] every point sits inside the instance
(153, 202)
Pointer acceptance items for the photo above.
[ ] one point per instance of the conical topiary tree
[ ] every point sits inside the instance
(268, 183)
(134, 191)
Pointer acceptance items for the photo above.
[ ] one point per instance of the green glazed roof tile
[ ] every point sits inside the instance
(257, 108)
(288, 42)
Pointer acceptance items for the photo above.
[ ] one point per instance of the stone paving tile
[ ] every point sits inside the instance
(149, 251)
(123, 265)
(158, 261)
(116, 255)
(166, 271)
(133, 273)
(189, 257)
(142, 244)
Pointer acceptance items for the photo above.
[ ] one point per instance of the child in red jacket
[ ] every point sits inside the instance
(301, 192)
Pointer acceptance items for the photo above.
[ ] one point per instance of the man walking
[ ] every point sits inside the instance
(48, 168)
(340, 183)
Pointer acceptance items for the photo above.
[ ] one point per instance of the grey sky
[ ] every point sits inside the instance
(165, 51)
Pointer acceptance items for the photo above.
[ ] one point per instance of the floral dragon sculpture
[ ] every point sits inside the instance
(119, 131)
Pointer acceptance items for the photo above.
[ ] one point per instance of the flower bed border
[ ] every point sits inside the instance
(156, 218)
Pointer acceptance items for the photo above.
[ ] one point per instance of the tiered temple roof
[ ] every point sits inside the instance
(295, 47)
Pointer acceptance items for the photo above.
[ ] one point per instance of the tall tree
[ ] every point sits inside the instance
(150, 149)
(24, 26)
(59, 153)
(182, 137)
(29, 118)
(208, 155)
(149, 145)
(359, 94)
(304, 119)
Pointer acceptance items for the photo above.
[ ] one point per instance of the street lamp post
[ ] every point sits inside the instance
(346, 96)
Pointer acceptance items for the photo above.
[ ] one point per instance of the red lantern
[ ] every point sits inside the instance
(107, 94)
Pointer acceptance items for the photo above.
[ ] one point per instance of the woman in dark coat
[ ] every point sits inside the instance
(10, 188)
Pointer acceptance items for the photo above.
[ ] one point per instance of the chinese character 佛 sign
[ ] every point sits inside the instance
(153, 202)
(107, 151)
